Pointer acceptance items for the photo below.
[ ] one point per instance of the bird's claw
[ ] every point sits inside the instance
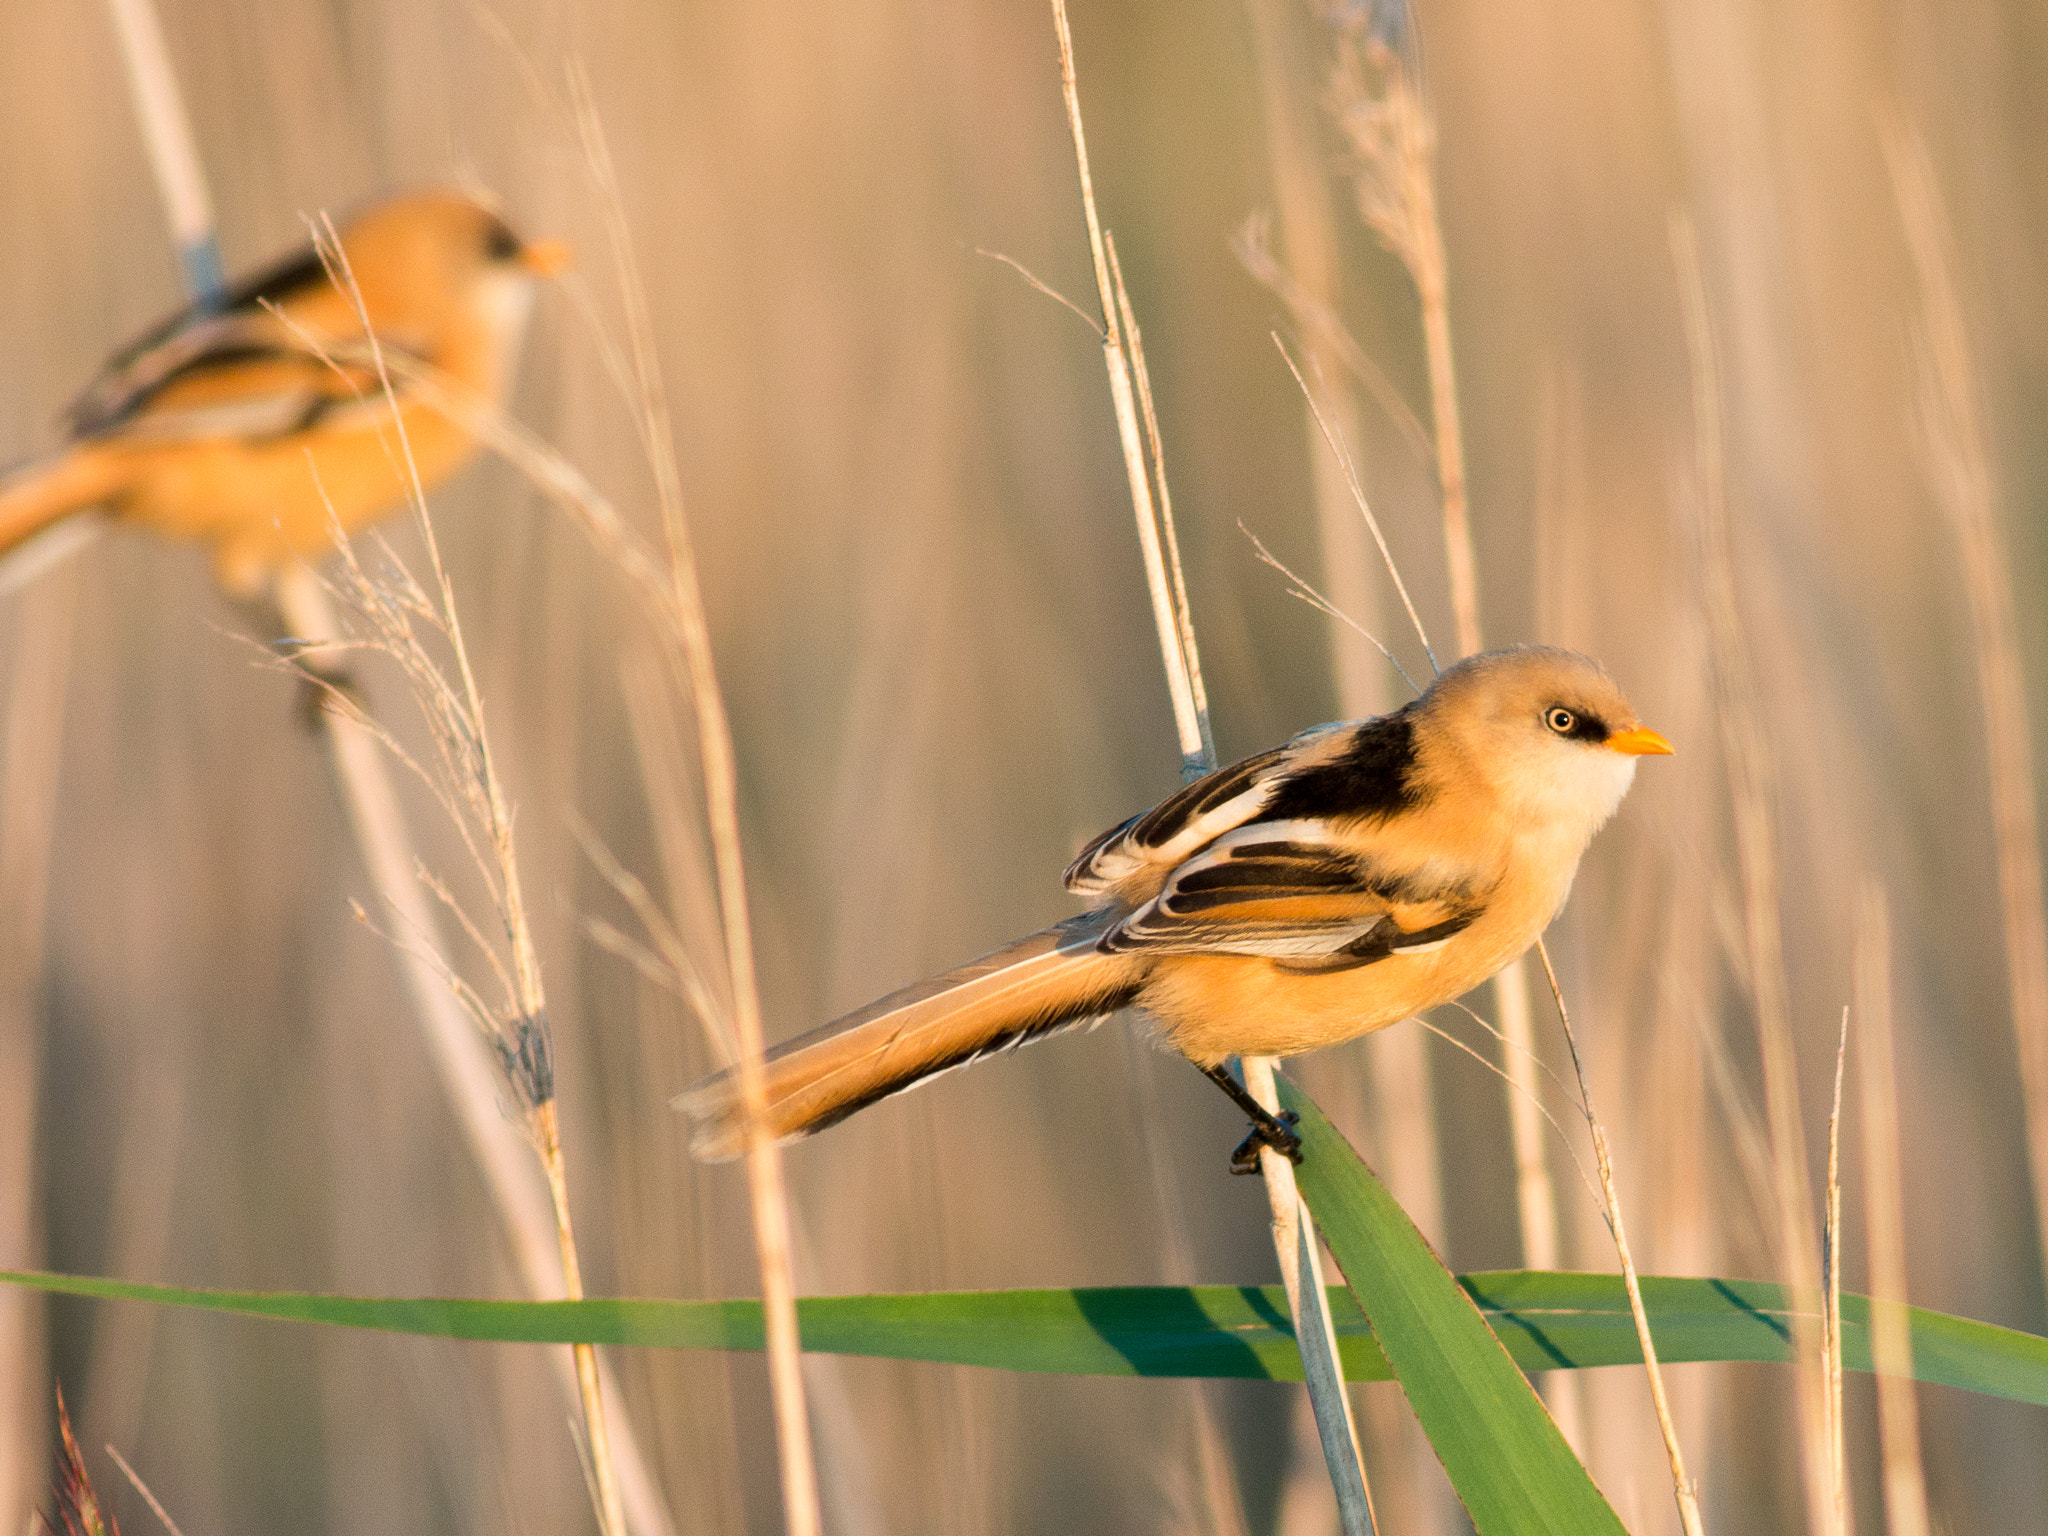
(1279, 1136)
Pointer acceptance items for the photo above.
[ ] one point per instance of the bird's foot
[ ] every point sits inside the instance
(1277, 1132)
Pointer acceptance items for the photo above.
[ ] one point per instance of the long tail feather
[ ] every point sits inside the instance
(1024, 991)
(37, 495)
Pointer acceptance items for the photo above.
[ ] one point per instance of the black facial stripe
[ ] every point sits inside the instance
(500, 244)
(1586, 726)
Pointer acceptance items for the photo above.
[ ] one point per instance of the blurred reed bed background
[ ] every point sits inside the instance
(929, 619)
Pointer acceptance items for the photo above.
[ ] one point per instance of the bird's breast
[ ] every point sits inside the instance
(1213, 1006)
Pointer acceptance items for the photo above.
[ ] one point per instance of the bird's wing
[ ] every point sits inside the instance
(1300, 893)
(1180, 825)
(234, 370)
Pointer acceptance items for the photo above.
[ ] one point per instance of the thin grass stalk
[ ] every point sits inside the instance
(31, 745)
(1749, 774)
(1831, 1322)
(1682, 1484)
(1394, 140)
(1958, 462)
(1884, 1224)
(802, 1515)
(1299, 1259)
(468, 1077)
(1215, 1476)
(688, 635)
(536, 1224)
(1307, 280)
(470, 784)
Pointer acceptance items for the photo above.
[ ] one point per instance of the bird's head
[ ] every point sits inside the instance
(417, 255)
(1547, 730)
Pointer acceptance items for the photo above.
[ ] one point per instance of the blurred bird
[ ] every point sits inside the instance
(1360, 874)
(248, 426)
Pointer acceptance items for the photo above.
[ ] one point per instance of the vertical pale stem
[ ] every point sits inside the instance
(1959, 465)
(1432, 287)
(1198, 755)
(173, 154)
(468, 1076)
(548, 1132)
(1187, 722)
(461, 1059)
(1884, 1225)
(1749, 773)
(801, 1512)
(1301, 1270)
(1682, 1484)
(1536, 1196)
(31, 743)
(1831, 1265)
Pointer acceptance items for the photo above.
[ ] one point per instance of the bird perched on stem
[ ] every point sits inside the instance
(1362, 873)
(254, 426)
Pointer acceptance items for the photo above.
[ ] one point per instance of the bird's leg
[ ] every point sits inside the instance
(325, 687)
(1268, 1129)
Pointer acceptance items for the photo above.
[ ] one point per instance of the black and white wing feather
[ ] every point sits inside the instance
(1288, 892)
(237, 370)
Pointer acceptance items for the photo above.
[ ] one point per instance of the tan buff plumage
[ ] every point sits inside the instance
(234, 429)
(1358, 875)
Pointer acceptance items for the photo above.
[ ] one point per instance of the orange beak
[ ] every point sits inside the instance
(547, 258)
(1640, 742)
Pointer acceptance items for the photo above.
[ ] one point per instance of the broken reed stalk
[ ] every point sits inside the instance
(1958, 465)
(1393, 142)
(1884, 1224)
(1831, 1317)
(1682, 1484)
(31, 747)
(1749, 781)
(1298, 1257)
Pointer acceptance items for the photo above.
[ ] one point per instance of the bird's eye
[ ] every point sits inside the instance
(1560, 719)
(500, 244)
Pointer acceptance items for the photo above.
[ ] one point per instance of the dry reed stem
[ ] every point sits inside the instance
(1393, 140)
(181, 177)
(1831, 1321)
(1958, 463)
(167, 137)
(1682, 1485)
(155, 1507)
(1129, 389)
(1884, 1224)
(471, 789)
(31, 747)
(687, 631)
(1748, 762)
(1393, 143)
(1197, 749)
(1320, 326)
(1309, 283)
(468, 1073)
(668, 600)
